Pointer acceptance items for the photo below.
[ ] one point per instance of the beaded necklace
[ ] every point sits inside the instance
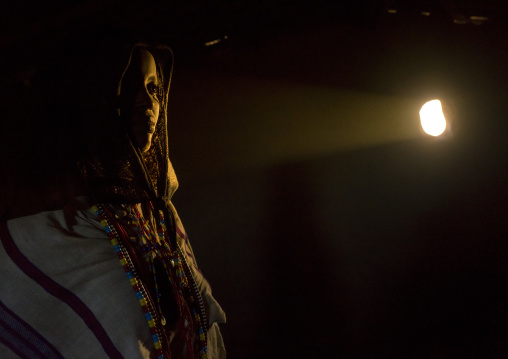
(154, 243)
(155, 246)
(158, 246)
(130, 270)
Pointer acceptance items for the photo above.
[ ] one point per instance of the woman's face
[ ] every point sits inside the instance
(140, 90)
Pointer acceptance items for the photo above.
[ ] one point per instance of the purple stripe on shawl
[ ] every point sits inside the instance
(22, 339)
(58, 291)
(181, 234)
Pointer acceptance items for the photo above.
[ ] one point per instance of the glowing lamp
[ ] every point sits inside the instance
(432, 118)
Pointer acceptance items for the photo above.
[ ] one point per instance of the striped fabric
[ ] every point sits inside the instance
(63, 293)
(22, 339)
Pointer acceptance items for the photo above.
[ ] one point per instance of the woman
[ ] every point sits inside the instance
(111, 272)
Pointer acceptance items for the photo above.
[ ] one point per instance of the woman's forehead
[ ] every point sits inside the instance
(147, 63)
(142, 64)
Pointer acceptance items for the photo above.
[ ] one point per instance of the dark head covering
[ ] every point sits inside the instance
(114, 169)
(81, 143)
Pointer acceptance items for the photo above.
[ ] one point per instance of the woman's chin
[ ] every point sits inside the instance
(144, 142)
(145, 147)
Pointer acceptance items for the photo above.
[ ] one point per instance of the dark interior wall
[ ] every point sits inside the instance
(395, 251)
(390, 249)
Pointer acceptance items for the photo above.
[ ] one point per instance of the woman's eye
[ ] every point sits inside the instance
(153, 89)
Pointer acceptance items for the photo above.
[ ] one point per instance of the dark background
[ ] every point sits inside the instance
(328, 224)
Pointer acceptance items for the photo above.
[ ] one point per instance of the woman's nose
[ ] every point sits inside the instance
(144, 98)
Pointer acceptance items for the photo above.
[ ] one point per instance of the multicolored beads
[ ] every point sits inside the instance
(154, 243)
(129, 269)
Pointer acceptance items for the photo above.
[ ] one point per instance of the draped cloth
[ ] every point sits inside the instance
(63, 293)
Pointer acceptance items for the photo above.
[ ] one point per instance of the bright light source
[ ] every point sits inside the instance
(213, 42)
(432, 118)
(216, 41)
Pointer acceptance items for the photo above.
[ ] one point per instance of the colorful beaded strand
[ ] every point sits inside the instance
(155, 243)
(129, 269)
(151, 247)
(181, 267)
(200, 319)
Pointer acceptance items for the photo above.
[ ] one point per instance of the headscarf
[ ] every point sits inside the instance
(114, 169)
(82, 144)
